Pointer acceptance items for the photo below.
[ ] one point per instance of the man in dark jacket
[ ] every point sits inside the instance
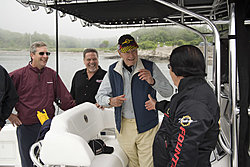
(8, 96)
(189, 131)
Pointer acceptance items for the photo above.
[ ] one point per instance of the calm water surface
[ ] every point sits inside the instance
(69, 63)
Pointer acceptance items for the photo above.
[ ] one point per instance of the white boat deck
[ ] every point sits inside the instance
(71, 128)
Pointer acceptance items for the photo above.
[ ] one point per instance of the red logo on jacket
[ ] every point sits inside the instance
(178, 147)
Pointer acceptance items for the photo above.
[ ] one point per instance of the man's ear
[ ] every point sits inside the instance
(119, 52)
(32, 56)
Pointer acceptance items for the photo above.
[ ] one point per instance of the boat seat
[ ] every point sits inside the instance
(66, 143)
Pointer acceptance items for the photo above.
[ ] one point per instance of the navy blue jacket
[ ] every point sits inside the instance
(145, 119)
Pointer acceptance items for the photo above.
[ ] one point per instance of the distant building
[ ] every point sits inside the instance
(103, 45)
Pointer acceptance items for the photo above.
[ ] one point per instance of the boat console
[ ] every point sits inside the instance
(66, 143)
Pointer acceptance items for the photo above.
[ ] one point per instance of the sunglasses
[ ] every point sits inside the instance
(42, 53)
(169, 66)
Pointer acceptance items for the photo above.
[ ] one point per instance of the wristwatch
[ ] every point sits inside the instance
(108, 101)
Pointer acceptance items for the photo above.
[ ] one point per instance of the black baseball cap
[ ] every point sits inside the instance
(98, 147)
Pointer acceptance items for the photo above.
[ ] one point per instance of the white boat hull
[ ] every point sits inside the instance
(9, 154)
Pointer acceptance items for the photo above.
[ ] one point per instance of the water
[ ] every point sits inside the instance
(69, 63)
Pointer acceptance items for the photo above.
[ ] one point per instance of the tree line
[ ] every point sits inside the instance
(150, 38)
(18, 41)
(147, 38)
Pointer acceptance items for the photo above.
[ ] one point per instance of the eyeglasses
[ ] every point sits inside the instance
(42, 53)
(169, 66)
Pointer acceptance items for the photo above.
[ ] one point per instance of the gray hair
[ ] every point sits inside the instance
(36, 45)
(89, 50)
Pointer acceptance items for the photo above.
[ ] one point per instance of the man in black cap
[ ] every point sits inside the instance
(126, 87)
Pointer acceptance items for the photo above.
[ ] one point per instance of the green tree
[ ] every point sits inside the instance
(147, 45)
(180, 42)
(147, 38)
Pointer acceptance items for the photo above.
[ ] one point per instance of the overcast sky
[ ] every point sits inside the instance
(15, 17)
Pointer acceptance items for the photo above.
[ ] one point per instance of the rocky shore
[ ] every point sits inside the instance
(160, 53)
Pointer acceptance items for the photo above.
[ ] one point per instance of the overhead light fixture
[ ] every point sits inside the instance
(85, 23)
(73, 18)
(61, 14)
(23, 2)
(48, 10)
(97, 24)
(34, 7)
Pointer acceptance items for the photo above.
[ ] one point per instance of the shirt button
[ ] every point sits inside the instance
(87, 86)
(85, 94)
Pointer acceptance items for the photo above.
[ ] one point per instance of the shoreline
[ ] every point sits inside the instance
(159, 54)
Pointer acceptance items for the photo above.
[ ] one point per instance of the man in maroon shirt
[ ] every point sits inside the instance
(38, 88)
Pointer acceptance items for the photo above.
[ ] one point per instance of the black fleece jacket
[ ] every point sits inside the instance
(8, 96)
(189, 130)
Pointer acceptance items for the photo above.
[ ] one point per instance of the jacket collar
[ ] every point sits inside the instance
(138, 65)
(35, 69)
(190, 82)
